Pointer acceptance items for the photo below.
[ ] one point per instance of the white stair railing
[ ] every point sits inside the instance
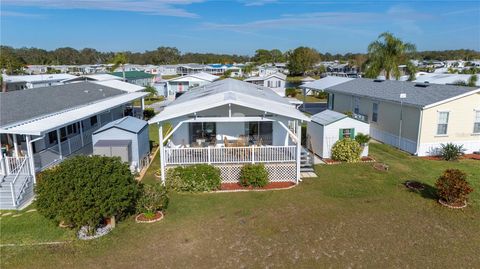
(23, 169)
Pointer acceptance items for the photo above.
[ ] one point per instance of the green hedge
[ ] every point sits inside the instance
(255, 175)
(194, 178)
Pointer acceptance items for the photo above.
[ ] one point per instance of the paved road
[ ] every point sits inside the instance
(158, 106)
(313, 108)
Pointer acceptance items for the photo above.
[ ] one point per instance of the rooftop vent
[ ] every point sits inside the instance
(378, 80)
(422, 85)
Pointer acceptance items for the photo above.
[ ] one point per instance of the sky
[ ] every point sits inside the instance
(237, 26)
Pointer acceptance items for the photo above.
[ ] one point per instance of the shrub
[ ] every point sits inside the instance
(321, 95)
(451, 152)
(148, 113)
(291, 92)
(85, 190)
(153, 198)
(452, 186)
(362, 139)
(255, 175)
(346, 150)
(194, 178)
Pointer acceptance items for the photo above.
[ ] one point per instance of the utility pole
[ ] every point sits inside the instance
(402, 96)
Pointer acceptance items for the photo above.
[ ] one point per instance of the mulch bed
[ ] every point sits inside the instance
(459, 205)
(463, 157)
(362, 160)
(270, 186)
(140, 218)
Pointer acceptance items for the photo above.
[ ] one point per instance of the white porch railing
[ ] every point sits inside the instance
(211, 155)
(21, 179)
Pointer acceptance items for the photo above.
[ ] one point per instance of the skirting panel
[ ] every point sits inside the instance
(277, 172)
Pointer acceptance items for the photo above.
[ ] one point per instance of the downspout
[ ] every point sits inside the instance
(419, 132)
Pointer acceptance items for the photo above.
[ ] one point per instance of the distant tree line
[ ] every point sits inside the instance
(301, 60)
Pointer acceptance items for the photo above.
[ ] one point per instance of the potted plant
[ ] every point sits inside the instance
(453, 188)
(152, 202)
(363, 140)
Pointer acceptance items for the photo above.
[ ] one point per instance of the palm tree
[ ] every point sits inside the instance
(119, 60)
(472, 81)
(386, 55)
(411, 71)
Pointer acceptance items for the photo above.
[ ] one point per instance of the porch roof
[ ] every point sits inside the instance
(229, 91)
(41, 125)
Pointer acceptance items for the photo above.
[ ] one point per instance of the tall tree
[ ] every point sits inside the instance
(301, 60)
(166, 55)
(9, 61)
(119, 60)
(386, 54)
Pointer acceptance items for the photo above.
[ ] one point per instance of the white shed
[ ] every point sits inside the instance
(328, 126)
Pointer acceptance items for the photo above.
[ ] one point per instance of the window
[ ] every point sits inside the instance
(476, 124)
(375, 112)
(442, 125)
(279, 84)
(203, 130)
(346, 133)
(330, 101)
(260, 131)
(356, 105)
(93, 120)
(52, 137)
(269, 84)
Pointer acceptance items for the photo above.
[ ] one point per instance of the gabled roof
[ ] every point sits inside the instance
(129, 124)
(229, 91)
(278, 75)
(38, 78)
(17, 106)
(94, 77)
(418, 95)
(200, 75)
(133, 75)
(324, 83)
(327, 117)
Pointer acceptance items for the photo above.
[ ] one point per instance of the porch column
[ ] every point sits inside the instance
(30, 158)
(15, 145)
(59, 144)
(160, 144)
(143, 104)
(2, 163)
(81, 133)
(299, 147)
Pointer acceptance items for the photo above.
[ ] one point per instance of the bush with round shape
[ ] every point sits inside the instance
(194, 178)
(362, 139)
(148, 113)
(346, 150)
(255, 175)
(453, 187)
(153, 198)
(291, 92)
(83, 191)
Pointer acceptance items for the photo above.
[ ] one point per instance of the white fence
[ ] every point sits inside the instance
(391, 139)
(211, 155)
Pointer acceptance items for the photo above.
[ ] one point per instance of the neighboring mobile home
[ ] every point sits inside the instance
(328, 126)
(275, 81)
(229, 123)
(41, 127)
(179, 85)
(414, 117)
(139, 78)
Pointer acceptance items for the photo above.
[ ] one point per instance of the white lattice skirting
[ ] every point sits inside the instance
(277, 172)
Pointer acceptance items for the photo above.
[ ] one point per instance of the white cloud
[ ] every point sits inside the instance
(6, 13)
(257, 2)
(149, 7)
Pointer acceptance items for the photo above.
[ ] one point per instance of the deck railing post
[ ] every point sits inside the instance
(69, 147)
(209, 157)
(7, 164)
(253, 154)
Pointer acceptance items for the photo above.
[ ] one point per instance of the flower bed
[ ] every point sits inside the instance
(463, 157)
(414, 185)
(366, 159)
(141, 218)
(269, 186)
(453, 206)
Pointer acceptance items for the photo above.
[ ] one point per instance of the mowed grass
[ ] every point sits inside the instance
(350, 216)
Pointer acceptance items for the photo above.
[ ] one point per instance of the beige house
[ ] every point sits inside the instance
(414, 117)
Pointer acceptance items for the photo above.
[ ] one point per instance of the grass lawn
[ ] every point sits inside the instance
(350, 216)
(148, 101)
(310, 99)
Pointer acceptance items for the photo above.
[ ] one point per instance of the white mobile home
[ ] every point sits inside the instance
(415, 117)
(327, 127)
(184, 83)
(229, 123)
(275, 81)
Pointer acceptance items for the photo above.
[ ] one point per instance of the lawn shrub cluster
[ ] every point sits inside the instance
(452, 186)
(346, 150)
(153, 198)
(291, 92)
(451, 152)
(255, 175)
(362, 139)
(194, 178)
(85, 190)
(148, 113)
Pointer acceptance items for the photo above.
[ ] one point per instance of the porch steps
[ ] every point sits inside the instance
(306, 161)
(6, 202)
